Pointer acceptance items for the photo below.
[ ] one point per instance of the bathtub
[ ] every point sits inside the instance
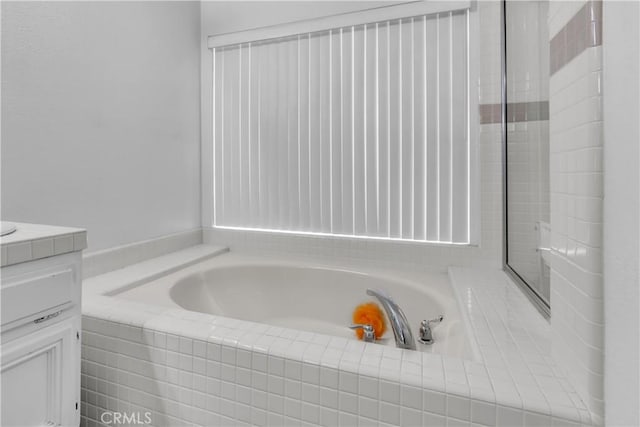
(307, 296)
(204, 336)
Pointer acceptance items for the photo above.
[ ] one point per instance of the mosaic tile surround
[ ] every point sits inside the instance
(188, 368)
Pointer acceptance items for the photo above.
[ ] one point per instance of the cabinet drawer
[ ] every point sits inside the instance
(22, 299)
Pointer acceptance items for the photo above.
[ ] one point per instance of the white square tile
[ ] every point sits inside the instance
(199, 348)
(173, 342)
(273, 419)
(347, 419)
(329, 377)
(258, 417)
(329, 397)
(411, 397)
(243, 376)
(275, 384)
(213, 352)
(328, 417)
(390, 392)
(292, 408)
(259, 380)
(243, 358)
(227, 372)
(368, 386)
(389, 413)
(509, 416)
(228, 355)
(199, 366)
(454, 422)
(227, 390)
(410, 417)
(79, 241)
(368, 407)
(18, 252)
(276, 365)
(213, 369)
(310, 373)
(243, 395)
(42, 248)
(63, 244)
(483, 413)
(458, 407)
(310, 393)
(292, 388)
(293, 369)
(259, 399)
(309, 412)
(348, 382)
(259, 361)
(348, 402)
(536, 420)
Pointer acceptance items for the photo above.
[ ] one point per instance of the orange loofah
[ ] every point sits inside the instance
(370, 314)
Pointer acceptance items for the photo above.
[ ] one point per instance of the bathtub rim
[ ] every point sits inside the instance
(435, 286)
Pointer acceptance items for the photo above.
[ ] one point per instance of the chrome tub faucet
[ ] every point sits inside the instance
(399, 323)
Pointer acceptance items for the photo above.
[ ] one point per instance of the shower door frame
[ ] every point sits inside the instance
(539, 303)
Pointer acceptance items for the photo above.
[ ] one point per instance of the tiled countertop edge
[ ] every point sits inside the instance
(41, 244)
(481, 382)
(515, 345)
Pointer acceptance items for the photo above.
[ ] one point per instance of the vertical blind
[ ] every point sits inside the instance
(358, 131)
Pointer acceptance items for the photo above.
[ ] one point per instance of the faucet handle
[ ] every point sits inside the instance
(425, 335)
(368, 335)
(434, 321)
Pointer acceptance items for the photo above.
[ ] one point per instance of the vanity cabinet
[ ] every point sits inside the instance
(40, 341)
(39, 377)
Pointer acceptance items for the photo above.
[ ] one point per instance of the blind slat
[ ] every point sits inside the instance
(336, 133)
(347, 131)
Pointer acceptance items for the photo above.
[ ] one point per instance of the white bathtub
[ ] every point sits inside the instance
(307, 296)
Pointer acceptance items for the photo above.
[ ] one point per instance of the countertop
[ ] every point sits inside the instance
(35, 241)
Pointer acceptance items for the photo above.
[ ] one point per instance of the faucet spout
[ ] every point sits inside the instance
(399, 323)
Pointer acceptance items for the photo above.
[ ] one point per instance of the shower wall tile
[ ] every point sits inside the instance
(560, 12)
(576, 204)
(528, 200)
(583, 30)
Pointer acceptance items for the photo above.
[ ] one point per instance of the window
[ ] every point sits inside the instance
(362, 130)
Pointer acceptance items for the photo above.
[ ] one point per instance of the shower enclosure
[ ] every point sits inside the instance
(526, 133)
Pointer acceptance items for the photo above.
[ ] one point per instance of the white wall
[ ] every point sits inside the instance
(621, 21)
(100, 117)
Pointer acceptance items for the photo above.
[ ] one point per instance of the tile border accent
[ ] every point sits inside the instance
(582, 31)
(516, 112)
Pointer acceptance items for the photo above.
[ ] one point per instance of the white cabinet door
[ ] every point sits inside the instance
(40, 377)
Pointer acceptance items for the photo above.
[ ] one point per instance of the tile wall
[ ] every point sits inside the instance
(577, 195)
